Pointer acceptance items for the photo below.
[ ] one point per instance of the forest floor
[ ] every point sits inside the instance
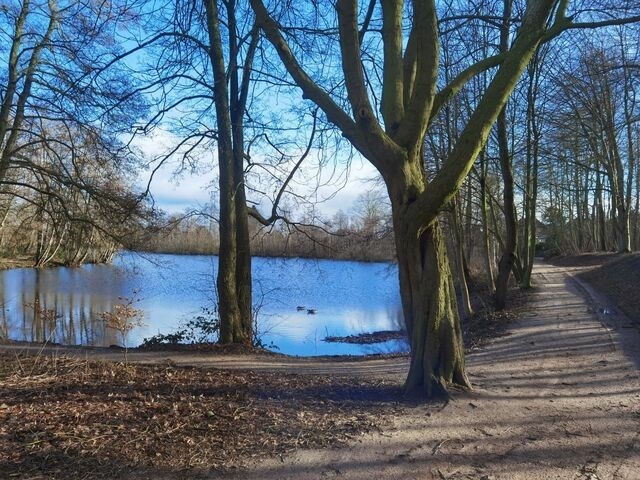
(556, 396)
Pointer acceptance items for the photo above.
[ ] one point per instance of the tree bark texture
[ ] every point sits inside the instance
(431, 313)
(234, 260)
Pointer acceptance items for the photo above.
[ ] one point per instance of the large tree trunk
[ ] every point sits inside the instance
(430, 311)
(234, 267)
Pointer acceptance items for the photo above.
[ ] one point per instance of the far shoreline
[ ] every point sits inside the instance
(7, 263)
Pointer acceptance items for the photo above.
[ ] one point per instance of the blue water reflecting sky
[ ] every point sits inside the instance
(349, 298)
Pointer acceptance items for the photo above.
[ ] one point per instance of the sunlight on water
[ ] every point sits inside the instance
(63, 304)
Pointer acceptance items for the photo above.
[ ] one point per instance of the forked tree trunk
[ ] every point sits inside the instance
(234, 263)
(430, 312)
(409, 102)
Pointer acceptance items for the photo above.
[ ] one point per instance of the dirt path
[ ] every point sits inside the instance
(351, 366)
(559, 397)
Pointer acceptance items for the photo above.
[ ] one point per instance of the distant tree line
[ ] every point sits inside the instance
(365, 234)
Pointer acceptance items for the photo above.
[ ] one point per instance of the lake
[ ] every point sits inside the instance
(349, 298)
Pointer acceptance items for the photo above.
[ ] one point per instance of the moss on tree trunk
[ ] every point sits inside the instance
(431, 314)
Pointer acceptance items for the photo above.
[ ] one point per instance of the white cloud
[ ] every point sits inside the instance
(362, 177)
(177, 187)
(174, 186)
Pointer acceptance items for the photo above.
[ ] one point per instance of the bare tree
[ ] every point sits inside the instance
(393, 144)
(56, 114)
(596, 135)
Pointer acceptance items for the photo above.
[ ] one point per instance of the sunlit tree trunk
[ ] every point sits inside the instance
(431, 314)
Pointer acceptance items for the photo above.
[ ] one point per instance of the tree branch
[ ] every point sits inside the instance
(474, 136)
(392, 73)
(253, 211)
(414, 124)
(310, 90)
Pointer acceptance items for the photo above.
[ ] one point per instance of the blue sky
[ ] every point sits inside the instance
(177, 189)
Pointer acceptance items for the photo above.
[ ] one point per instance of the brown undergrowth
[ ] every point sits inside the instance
(64, 418)
(486, 322)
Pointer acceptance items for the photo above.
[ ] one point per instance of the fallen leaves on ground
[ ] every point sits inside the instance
(65, 418)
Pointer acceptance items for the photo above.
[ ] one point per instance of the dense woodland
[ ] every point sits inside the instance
(500, 129)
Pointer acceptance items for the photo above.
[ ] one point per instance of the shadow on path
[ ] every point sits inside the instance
(558, 397)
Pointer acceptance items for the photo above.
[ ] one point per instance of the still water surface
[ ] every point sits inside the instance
(349, 298)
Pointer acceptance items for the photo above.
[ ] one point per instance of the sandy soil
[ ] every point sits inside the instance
(557, 397)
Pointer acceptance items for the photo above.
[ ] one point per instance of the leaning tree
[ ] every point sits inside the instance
(409, 99)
